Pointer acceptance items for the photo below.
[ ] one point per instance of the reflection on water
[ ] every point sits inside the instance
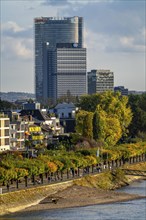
(138, 187)
(130, 210)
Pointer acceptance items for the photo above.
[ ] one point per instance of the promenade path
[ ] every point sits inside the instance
(72, 174)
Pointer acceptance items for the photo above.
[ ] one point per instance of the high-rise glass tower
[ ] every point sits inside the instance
(60, 58)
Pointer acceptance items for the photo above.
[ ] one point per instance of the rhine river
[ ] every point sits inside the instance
(130, 210)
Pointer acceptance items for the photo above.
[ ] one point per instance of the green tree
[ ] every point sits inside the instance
(96, 125)
(89, 102)
(138, 106)
(84, 124)
(112, 115)
(5, 105)
(116, 106)
(109, 128)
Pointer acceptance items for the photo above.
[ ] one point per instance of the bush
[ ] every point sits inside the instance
(118, 176)
(105, 181)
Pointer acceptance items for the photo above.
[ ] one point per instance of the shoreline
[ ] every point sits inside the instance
(79, 196)
(73, 195)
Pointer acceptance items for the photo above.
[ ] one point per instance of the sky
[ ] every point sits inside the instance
(114, 35)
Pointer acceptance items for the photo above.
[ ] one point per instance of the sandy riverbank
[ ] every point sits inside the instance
(76, 196)
(68, 195)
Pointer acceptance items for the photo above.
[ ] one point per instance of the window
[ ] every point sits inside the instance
(69, 114)
(7, 141)
(6, 132)
(6, 123)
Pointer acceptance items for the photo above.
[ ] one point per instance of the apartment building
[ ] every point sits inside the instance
(4, 132)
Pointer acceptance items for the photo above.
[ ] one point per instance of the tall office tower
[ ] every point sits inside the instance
(60, 59)
(100, 81)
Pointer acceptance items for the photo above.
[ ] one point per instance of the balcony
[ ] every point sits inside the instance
(13, 139)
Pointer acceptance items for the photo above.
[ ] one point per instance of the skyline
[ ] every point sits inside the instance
(114, 38)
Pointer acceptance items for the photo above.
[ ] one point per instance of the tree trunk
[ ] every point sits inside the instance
(26, 178)
(8, 186)
(67, 174)
(78, 171)
(33, 179)
(61, 175)
(17, 183)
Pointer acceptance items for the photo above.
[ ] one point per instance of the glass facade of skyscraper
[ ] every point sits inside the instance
(60, 59)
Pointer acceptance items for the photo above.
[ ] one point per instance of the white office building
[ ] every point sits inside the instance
(100, 81)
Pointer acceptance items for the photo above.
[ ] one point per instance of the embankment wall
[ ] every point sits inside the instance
(18, 200)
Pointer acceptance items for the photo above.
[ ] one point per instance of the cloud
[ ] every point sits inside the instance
(101, 42)
(12, 29)
(125, 45)
(10, 25)
(31, 8)
(113, 25)
(72, 2)
(55, 3)
(17, 42)
(95, 41)
(13, 48)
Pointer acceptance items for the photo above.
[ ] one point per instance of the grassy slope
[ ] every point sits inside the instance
(107, 181)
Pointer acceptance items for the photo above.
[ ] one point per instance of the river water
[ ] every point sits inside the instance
(130, 210)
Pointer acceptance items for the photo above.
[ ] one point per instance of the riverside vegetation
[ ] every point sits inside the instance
(14, 167)
(84, 191)
(102, 126)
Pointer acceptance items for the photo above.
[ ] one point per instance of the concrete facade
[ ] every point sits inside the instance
(100, 81)
(4, 133)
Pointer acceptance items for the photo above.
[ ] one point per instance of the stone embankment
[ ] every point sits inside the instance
(20, 200)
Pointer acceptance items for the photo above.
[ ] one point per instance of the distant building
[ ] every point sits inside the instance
(64, 110)
(121, 89)
(50, 124)
(100, 81)
(17, 134)
(66, 113)
(4, 132)
(136, 92)
(60, 58)
(34, 115)
(31, 105)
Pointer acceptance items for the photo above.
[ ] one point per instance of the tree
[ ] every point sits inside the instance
(95, 125)
(89, 102)
(109, 129)
(5, 105)
(116, 105)
(138, 106)
(111, 116)
(84, 124)
(68, 97)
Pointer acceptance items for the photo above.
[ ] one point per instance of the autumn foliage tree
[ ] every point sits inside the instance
(84, 124)
(110, 116)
